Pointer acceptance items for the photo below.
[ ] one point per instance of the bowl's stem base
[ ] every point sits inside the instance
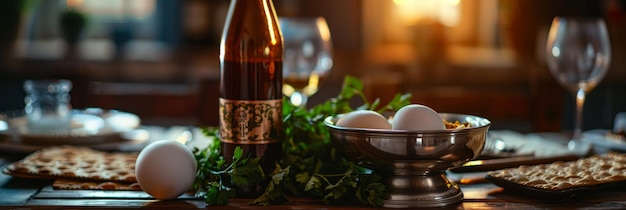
(421, 191)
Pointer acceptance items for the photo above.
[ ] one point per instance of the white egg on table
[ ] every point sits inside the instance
(364, 119)
(417, 117)
(165, 169)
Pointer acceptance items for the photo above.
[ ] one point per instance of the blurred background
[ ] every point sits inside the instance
(159, 58)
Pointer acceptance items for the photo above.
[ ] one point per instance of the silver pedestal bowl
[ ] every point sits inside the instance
(413, 163)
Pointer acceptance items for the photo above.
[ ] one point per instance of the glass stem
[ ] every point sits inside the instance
(580, 102)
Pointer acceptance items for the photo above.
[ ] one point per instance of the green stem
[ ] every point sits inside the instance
(226, 170)
(324, 178)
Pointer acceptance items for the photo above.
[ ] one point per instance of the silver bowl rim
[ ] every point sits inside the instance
(328, 121)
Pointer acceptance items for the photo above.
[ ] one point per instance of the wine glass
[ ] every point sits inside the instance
(307, 56)
(578, 56)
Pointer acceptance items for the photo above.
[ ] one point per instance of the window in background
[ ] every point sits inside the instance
(141, 29)
(116, 9)
(110, 15)
(414, 11)
(447, 30)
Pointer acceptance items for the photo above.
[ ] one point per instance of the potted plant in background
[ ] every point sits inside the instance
(73, 23)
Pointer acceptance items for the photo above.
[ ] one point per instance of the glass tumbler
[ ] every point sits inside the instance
(48, 108)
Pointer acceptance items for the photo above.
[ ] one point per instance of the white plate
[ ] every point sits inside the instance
(602, 142)
(135, 142)
(90, 127)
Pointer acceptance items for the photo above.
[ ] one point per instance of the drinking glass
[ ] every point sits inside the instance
(47, 105)
(578, 56)
(307, 56)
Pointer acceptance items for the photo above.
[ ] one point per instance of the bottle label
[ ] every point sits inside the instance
(250, 122)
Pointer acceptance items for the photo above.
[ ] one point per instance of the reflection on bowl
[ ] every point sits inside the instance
(414, 162)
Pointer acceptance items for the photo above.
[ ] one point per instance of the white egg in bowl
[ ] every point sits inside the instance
(417, 117)
(364, 119)
(413, 162)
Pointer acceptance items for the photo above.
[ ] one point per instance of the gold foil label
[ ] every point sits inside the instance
(250, 122)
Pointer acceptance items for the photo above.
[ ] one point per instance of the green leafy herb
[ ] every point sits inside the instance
(310, 165)
(213, 172)
(274, 193)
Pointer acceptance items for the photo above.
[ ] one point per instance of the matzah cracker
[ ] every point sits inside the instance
(557, 176)
(66, 184)
(78, 163)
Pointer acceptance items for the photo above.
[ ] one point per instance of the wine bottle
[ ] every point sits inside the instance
(250, 104)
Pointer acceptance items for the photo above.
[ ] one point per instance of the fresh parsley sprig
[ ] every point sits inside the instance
(310, 165)
(213, 172)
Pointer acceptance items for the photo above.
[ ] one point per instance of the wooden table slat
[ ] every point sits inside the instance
(39, 194)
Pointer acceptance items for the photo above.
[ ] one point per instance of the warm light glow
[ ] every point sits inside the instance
(449, 12)
(453, 2)
(184, 137)
(415, 11)
(474, 163)
(311, 88)
(266, 51)
(74, 3)
(324, 31)
(400, 2)
(552, 35)
(266, 7)
(288, 90)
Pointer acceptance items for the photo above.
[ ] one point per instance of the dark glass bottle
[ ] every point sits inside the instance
(251, 52)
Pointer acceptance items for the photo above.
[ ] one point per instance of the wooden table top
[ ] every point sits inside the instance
(39, 194)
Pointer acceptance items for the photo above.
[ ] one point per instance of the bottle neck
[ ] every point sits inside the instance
(251, 27)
